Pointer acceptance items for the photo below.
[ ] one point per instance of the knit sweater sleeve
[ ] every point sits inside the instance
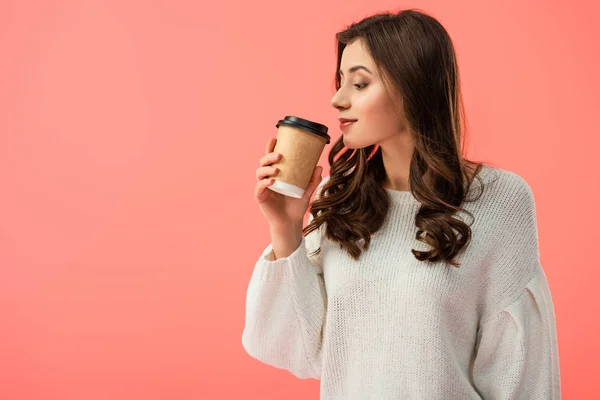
(286, 307)
(516, 352)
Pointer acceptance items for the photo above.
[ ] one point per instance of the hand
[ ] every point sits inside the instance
(281, 211)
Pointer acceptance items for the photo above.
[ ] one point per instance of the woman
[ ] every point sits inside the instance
(388, 293)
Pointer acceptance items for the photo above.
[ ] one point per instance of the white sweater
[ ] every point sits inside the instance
(391, 327)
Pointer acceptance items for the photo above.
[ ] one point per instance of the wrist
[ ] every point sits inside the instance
(288, 228)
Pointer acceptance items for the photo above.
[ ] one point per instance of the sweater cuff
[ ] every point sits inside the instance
(282, 269)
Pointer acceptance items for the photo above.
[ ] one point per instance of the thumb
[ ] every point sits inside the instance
(314, 181)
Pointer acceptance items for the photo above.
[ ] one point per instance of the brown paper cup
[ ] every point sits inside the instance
(300, 142)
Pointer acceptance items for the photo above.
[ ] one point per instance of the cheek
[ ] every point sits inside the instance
(374, 108)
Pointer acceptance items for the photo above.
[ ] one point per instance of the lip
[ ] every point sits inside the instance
(345, 124)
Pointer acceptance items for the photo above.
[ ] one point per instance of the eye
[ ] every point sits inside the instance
(358, 86)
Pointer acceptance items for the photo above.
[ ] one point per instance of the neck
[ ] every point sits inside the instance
(396, 156)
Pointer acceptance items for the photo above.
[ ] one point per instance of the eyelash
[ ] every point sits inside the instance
(364, 85)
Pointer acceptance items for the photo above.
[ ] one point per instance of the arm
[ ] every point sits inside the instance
(286, 306)
(516, 351)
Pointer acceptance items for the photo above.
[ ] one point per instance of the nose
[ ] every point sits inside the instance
(339, 101)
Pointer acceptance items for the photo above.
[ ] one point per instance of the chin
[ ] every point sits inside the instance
(353, 144)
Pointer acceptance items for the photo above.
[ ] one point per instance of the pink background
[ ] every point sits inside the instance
(129, 138)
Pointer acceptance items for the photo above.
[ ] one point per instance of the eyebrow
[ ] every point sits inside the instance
(355, 68)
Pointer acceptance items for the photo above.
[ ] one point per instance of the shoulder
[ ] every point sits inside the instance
(503, 177)
(510, 216)
(509, 224)
(515, 185)
(506, 190)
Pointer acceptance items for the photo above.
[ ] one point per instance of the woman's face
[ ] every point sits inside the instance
(362, 97)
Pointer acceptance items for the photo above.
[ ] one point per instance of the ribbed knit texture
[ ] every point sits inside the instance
(391, 327)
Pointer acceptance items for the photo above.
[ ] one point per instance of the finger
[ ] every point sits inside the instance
(316, 178)
(264, 172)
(269, 159)
(261, 186)
(271, 145)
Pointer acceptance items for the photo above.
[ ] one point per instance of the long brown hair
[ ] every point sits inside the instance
(418, 60)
